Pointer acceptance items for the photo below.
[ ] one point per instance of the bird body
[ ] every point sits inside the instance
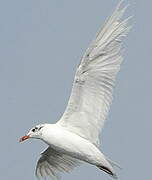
(72, 144)
(75, 137)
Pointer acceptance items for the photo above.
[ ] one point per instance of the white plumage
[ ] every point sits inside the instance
(94, 80)
(75, 137)
(53, 162)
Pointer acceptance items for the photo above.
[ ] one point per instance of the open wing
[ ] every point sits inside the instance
(52, 163)
(94, 80)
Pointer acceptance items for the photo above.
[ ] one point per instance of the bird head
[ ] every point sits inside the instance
(35, 132)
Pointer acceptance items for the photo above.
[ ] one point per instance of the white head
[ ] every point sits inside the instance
(35, 132)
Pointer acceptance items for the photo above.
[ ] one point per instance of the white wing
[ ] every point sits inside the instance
(94, 80)
(52, 163)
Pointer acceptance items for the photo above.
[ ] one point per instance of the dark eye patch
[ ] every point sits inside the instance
(40, 127)
(33, 130)
(36, 128)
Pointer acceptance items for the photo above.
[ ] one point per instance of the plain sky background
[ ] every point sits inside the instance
(41, 42)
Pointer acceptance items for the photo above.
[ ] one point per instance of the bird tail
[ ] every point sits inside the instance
(107, 166)
(108, 171)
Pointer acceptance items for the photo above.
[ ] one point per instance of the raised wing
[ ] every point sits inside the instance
(91, 95)
(52, 163)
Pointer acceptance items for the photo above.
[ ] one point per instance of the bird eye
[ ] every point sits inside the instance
(33, 130)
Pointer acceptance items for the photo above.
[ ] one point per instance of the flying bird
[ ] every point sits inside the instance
(74, 139)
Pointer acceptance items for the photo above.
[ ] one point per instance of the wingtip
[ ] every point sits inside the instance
(121, 7)
(119, 4)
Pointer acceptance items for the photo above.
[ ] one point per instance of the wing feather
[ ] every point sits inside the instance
(91, 95)
(52, 163)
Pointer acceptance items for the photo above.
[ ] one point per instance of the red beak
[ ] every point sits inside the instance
(24, 138)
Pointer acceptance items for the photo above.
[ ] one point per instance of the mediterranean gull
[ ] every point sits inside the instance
(74, 139)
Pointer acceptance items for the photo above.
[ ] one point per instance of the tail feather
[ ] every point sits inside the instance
(105, 169)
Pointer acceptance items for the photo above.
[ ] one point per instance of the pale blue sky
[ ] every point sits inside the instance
(41, 42)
